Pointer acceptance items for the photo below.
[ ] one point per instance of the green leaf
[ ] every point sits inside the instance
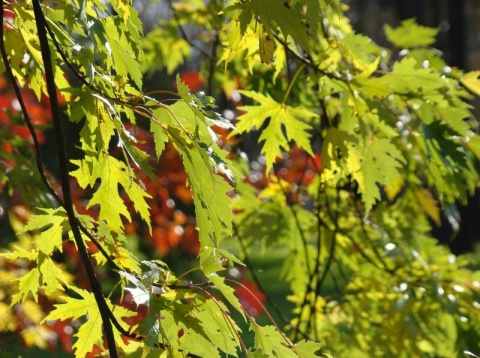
(160, 137)
(52, 276)
(164, 48)
(200, 153)
(409, 34)
(28, 283)
(284, 125)
(289, 21)
(267, 48)
(372, 163)
(218, 327)
(149, 327)
(90, 332)
(257, 354)
(305, 349)
(140, 294)
(474, 145)
(74, 307)
(53, 223)
(407, 78)
(227, 291)
(112, 174)
(124, 56)
(198, 345)
(271, 341)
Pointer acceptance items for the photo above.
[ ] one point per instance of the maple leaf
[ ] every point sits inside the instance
(409, 34)
(90, 332)
(28, 283)
(123, 53)
(52, 276)
(372, 163)
(193, 139)
(305, 349)
(270, 341)
(284, 125)
(471, 81)
(406, 78)
(112, 173)
(271, 15)
(55, 221)
(217, 327)
(141, 293)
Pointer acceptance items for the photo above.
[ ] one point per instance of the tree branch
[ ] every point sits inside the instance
(63, 162)
(26, 117)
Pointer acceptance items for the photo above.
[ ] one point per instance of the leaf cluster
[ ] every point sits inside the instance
(362, 150)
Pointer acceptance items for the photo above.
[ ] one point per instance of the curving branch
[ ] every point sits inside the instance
(95, 285)
(26, 116)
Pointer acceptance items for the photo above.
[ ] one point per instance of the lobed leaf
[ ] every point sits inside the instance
(283, 125)
(409, 34)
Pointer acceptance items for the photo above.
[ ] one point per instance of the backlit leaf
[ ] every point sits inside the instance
(53, 223)
(409, 34)
(376, 162)
(283, 125)
(270, 340)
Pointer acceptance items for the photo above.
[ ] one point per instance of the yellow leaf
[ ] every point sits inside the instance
(267, 48)
(286, 124)
(471, 81)
(428, 205)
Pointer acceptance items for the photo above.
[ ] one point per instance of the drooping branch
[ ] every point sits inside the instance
(63, 163)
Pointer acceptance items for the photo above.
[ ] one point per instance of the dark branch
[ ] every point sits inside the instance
(105, 312)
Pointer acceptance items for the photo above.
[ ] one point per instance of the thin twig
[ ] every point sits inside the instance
(295, 217)
(312, 275)
(292, 82)
(212, 64)
(98, 245)
(184, 34)
(225, 315)
(263, 309)
(26, 117)
(256, 279)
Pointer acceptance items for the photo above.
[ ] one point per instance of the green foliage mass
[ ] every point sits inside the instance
(388, 142)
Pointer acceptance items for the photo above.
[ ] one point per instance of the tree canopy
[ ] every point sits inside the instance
(232, 130)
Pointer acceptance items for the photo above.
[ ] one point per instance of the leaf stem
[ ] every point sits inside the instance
(292, 82)
(226, 316)
(290, 344)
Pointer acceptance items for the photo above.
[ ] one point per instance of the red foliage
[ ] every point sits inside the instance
(38, 112)
(192, 79)
(8, 16)
(64, 333)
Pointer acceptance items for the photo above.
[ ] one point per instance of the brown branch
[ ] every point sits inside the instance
(104, 310)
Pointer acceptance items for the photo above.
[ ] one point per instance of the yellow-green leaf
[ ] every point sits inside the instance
(409, 34)
(471, 81)
(284, 125)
